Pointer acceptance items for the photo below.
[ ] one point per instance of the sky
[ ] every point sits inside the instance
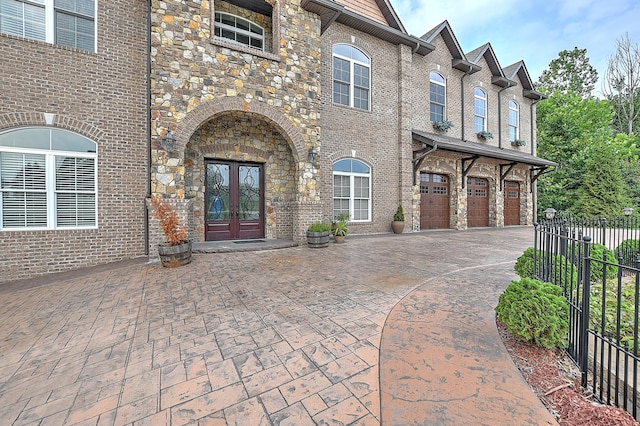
(531, 30)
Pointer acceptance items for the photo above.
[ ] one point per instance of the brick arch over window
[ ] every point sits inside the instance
(24, 119)
(206, 111)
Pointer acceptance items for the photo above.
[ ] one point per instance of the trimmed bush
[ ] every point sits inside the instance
(536, 312)
(629, 250)
(598, 252)
(562, 271)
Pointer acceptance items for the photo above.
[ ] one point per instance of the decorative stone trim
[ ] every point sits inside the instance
(25, 119)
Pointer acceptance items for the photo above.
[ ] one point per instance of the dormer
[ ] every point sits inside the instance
(497, 74)
(518, 71)
(458, 59)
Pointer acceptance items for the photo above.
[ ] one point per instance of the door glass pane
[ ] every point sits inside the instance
(217, 192)
(249, 191)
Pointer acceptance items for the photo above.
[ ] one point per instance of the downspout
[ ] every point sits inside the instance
(148, 105)
(534, 190)
(500, 115)
(462, 100)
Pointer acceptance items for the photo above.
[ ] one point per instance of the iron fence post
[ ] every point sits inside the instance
(534, 271)
(584, 321)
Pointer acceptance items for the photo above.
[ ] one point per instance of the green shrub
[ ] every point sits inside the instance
(319, 227)
(597, 251)
(629, 250)
(535, 311)
(562, 271)
(524, 264)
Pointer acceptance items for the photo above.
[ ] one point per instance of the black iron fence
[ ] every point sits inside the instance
(596, 262)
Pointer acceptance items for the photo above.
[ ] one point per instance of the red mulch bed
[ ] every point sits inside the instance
(556, 381)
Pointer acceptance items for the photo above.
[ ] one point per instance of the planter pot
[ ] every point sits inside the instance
(397, 227)
(318, 239)
(174, 256)
(339, 238)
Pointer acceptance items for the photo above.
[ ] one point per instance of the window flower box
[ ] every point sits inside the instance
(518, 142)
(442, 126)
(485, 135)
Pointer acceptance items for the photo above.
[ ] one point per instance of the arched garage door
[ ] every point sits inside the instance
(477, 202)
(434, 201)
(511, 203)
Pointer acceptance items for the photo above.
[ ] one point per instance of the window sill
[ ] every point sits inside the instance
(350, 108)
(244, 49)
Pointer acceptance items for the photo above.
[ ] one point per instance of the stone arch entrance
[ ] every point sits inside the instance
(240, 174)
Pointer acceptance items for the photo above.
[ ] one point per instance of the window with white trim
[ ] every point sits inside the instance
(514, 121)
(47, 180)
(352, 189)
(351, 77)
(238, 30)
(437, 97)
(480, 110)
(65, 22)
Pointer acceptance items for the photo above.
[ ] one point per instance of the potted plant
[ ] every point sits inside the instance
(176, 251)
(341, 229)
(442, 126)
(318, 235)
(485, 135)
(518, 142)
(398, 221)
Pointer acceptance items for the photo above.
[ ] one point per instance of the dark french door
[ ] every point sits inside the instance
(234, 200)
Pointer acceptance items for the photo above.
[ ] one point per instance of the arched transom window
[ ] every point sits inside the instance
(514, 121)
(480, 110)
(47, 180)
(238, 30)
(437, 97)
(352, 189)
(351, 77)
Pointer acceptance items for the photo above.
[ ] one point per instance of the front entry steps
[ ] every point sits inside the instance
(229, 246)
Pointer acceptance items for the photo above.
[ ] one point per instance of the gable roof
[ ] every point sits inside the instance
(459, 60)
(497, 75)
(519, 71)
(331, 11)
(378, 10)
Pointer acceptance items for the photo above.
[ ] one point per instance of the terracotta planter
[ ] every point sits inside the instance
(397, 227)
(174, 256)
(318, 239)
(339, 238)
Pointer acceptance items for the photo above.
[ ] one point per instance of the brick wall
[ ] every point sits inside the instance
(101, 96)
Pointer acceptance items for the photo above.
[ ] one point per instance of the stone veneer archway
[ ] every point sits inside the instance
(203, 113)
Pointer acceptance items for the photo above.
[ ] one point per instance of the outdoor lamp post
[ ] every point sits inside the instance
(628, 211)
(550, 213)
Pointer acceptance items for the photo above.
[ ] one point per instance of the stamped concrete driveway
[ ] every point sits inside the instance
(282, 337)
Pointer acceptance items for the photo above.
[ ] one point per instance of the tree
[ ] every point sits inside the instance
(622, 85)
(570, 129)
(603, 192)
(569, 72)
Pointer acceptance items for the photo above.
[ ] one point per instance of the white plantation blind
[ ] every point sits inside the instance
(51, 186)
(23, 18)
(24, 192)
(65, 22)
(74, 23)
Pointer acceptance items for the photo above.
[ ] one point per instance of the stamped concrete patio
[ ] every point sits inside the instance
(392, 330)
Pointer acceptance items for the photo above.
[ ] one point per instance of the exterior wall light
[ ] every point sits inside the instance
(628, 211)
(168, 142)
(550, 213)
(313, 155)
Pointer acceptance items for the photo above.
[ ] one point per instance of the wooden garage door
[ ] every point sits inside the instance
(477, 202)
(434, 201)
(511, 203)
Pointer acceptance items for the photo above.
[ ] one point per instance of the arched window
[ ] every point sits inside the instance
(480, 110)
(47, 179)
(352, 189)
(351, 77)
(514, 121)
(238, 30)
(437, 97)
